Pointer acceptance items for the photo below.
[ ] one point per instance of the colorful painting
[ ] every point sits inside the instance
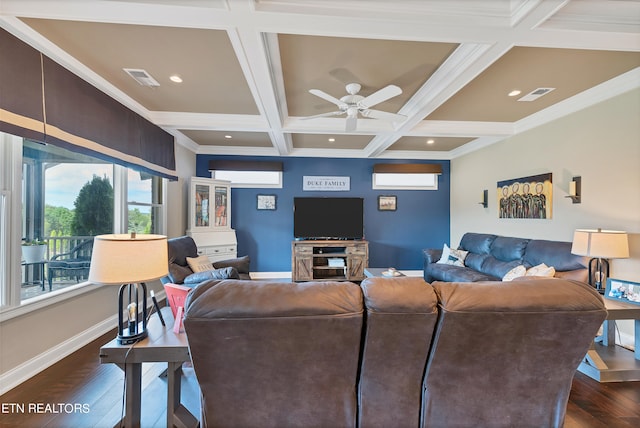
(526, 197)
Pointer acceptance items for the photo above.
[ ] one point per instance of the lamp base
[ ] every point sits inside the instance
(125, 339)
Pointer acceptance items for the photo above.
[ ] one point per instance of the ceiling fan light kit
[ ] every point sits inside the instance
(354, 104)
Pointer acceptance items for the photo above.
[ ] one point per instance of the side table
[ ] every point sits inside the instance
(161, 345)
(606, 362)
(39, 264)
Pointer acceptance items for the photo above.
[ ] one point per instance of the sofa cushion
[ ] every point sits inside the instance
(498, 268)
(478, 243)
(451, 273)
(181, 248)
(178, 273)
(241, 264)
(223, 273)
(475, 261)
(553, 253)
(507, 249)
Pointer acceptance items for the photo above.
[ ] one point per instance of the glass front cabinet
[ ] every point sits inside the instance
(210, 218)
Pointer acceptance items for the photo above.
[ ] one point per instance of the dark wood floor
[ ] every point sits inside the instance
(80, 380)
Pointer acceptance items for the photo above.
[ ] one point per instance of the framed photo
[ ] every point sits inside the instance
(266, 202)
(625, 291)
(387, 203)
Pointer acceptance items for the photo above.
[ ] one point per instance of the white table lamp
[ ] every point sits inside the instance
(600, 245)
(129, 260)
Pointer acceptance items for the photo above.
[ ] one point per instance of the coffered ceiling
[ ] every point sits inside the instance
(247, 67)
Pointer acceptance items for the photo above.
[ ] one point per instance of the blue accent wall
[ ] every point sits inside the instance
(396, 238)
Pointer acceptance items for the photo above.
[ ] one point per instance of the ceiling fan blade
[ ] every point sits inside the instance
(325, 96)
(351, 123)
(383, 115)
(331, 113)
(380, 96)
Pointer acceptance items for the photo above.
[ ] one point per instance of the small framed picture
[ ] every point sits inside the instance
(625, 291)
(266, 202)
(387, 203)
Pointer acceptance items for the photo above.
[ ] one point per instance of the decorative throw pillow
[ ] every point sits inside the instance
(514, 273)
(541, 270)
(200, 263)
(452, 257)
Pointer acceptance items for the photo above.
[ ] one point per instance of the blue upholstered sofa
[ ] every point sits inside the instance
(491, 257)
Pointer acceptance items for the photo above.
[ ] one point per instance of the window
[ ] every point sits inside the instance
(406, 176)
(144, 202)
(253, 174)
(405, 181)
(253, 179)
(65, 198)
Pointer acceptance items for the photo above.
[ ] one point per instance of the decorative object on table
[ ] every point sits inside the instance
(129, 260)
(266, 202)
(526, 197)
(391, 272)
(625, 291)
(34, 250)
(600, 245)
(387, 203)
(485, 198)
(575, 190)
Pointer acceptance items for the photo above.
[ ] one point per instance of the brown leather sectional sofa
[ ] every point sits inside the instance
(390, 352)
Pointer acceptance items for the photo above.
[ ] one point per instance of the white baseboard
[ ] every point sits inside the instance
(270, 275)
(35, 365)
(32, 367)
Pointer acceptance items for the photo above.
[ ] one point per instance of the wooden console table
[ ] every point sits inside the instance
(162, 345)
(329, 260)
(606, 362)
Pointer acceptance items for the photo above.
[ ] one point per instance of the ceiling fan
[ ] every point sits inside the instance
(353, 104)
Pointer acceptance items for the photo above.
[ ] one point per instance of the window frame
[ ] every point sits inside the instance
(11, 160)
(247, 184)
(409, 186)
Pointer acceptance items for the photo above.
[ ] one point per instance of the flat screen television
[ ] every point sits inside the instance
(328, 218)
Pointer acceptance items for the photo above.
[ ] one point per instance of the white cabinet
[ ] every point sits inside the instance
(210, 218)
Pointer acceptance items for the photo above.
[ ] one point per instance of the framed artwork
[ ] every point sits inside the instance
(525, 197)
(625, 291)
(387, 203)
(266, 202)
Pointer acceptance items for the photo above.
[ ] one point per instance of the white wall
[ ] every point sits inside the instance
(178, 192)
(601, 144)
(33, 341)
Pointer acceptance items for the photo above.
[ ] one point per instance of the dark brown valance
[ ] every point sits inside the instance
(407, 168)
(43, 101)
(232, 165)
(21, 108)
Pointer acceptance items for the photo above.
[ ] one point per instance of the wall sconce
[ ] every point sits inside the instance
(575, 190)
(485, 198)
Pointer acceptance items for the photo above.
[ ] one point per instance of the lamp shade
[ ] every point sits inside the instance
(128, 259)
(605, 244)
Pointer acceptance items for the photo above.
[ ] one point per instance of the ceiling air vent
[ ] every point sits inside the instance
(535, 94)
(141, 76)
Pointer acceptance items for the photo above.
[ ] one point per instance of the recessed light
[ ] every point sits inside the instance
(514, 93)
(175, 78)
(331, 140)
(228, 136)
(430, 141)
